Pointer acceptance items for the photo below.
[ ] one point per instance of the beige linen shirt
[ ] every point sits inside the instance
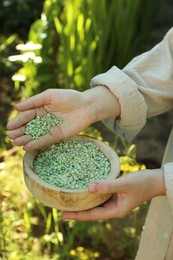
(144, 89)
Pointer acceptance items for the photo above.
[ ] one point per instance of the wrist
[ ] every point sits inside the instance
(101, 103)
(158, 187)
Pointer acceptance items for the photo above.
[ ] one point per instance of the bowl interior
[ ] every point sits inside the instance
(109, 153)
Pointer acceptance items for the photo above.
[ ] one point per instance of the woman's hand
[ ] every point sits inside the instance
(77, 109)
(128, 192)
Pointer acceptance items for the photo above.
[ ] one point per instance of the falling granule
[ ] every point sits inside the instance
(41, 125)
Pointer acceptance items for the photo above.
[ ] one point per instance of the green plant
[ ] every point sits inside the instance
(7, 93)
(80, 39)
(25, 13)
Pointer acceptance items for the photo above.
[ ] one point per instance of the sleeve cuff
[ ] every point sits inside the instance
(132, 103)
(168, 176)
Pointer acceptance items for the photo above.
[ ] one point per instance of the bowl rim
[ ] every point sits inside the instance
(29, 157)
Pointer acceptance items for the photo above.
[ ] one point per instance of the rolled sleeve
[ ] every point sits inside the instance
(133, 107)
(168, 176)
(144, 88)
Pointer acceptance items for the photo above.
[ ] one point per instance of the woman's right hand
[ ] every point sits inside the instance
(77, 109)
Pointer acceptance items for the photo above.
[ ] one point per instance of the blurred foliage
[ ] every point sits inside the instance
(79, 39)
(7, 68)
(67, 44)
(16, 16)
(29, 230)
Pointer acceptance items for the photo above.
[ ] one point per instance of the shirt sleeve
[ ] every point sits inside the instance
(144, 88)
(168, 176)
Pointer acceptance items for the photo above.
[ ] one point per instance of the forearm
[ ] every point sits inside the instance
(101, 103)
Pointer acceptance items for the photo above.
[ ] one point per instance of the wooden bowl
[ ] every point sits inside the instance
(68, 199)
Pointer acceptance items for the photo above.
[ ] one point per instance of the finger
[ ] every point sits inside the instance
(91, 214)
(17, 132)
(105, 186)
(110, 209)
(21, 119)
(40, 144)
(106, 211)
(32, 102)
(22, 140)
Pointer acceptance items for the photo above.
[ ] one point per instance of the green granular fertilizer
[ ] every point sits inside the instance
(72, 164)
(41, 125)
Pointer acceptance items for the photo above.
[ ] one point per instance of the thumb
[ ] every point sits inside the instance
(105, 186)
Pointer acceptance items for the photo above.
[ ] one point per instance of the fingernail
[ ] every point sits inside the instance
(93, 187)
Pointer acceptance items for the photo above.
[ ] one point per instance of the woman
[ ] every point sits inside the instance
(123, 100)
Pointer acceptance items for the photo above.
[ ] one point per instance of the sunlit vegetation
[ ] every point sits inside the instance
(63, 44)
